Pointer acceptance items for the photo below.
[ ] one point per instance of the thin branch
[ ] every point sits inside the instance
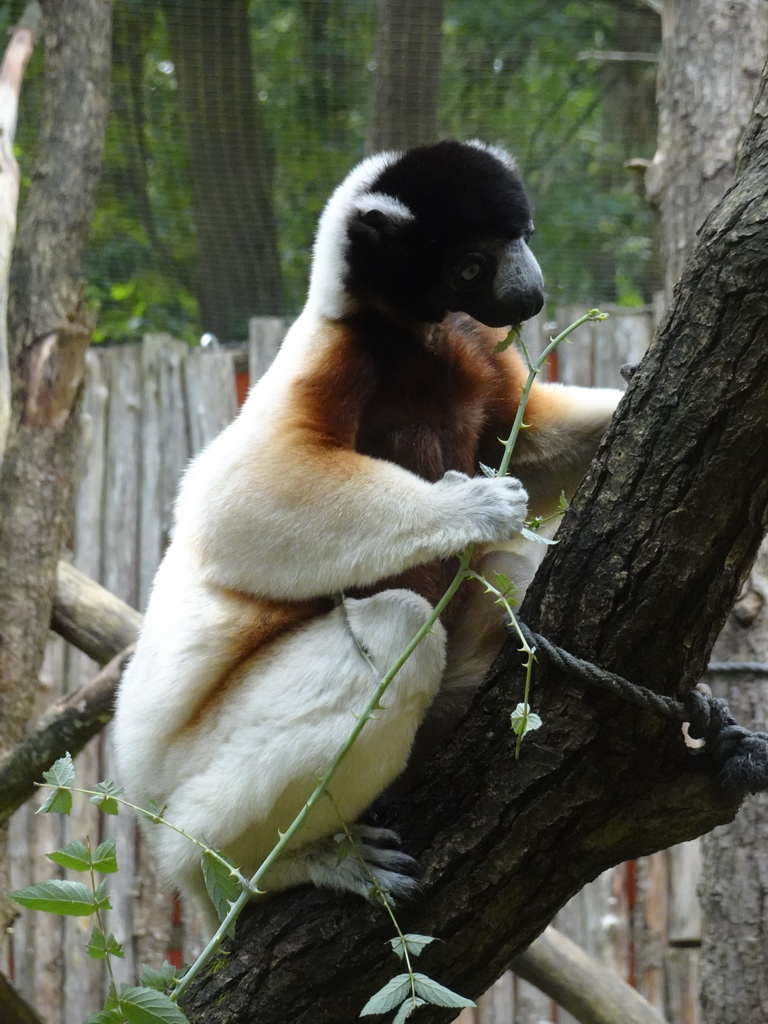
(67, 725)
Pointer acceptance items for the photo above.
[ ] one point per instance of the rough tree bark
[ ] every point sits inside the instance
(650, 559)
(22, 41)
(49, 330)
(712, 53)
(403, 107)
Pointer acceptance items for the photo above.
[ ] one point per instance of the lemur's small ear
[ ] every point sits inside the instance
(374, 224)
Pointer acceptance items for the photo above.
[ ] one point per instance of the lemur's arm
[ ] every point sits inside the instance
(299, 519)
(565, 427)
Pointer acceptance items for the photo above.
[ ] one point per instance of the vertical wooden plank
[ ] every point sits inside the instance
(83, 976)
(684, 909)
(682, 971)
(211, 404)
(165, 448)
(575, 357)
(265, 333)
(531, 1006)
(497, 1006)
(623, 338)
(209, 378)
(650, 927)
(120, 539)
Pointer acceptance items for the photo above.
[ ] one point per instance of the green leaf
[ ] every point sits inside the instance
(387, 998)
(148, 1006)
(538, 538)
(122, 290)
(487, 470)
(58, 801)
(414, 944)
(510, 339)
(163, 980)
(438, 995)
(105, 1017)
(407, 1009)
(508, 588)
(100, 946)
(74, 855)
(524, 720)
(61, 897)
(346, 848)
(104, 798)
(154, 811)
(104, 860)
(61, 772)
(223, 886)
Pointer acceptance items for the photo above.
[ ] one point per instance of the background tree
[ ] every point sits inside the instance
(406, 80)
(49, 331)
(230, 164)
(295, 106)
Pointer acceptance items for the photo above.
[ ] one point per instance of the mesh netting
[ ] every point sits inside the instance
(233, 120)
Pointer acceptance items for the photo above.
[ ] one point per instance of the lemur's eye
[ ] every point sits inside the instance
(468, 271)
(529, 232)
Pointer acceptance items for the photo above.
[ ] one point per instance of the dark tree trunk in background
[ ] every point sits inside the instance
(403, 108)
(49, 330)
(650, 559)
(229, 164)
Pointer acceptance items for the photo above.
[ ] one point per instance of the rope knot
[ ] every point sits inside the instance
(742, 755)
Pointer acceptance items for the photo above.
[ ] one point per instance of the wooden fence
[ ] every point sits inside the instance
(150, 407)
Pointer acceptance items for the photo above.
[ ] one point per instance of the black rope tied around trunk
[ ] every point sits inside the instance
(742, 755)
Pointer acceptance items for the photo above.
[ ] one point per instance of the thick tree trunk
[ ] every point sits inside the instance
(403, 109)
(239, 268)
(712, 55)
(49, 330)
(650, 559)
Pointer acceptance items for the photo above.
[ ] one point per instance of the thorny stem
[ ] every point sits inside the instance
(155, 819)
(377, 888)
(530, 652)
(99, 919)
(374, 703)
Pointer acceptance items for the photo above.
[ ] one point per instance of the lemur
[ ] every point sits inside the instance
(313, 536)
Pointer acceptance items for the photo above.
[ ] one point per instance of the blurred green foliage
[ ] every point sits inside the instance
(512, 73)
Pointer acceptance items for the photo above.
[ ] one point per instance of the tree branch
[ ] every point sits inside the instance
(592, 993)
(66, 726)
(14, 1009)
(90, 617)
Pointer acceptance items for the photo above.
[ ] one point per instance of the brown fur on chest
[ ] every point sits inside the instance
(430, 410)
(428, 406)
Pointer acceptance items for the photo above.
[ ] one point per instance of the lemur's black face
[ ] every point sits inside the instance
(455, 239)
